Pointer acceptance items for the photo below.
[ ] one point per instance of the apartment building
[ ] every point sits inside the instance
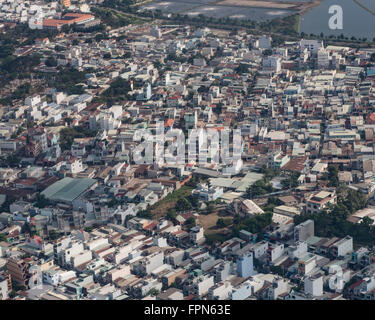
(319, 201)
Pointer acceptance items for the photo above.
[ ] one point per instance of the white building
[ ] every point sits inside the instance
(314, 286)
(203, 285)
(206, 193)
(272, 63)
(311, 45)
(221, 291)
(263, 42)
(323, 58)
(197, 234)
(342, 247)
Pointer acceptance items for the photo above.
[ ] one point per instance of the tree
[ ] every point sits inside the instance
(53, 235)
(254, 224)
(144, 214)
(12, 160)
(367, 221)
(171, 214)
(193, 200)
(190, 223)
(354, 200)
(51, 62)
(218, 109)
(183, 205)
(291, 181)
(333, 176)
(41, 201)
(67, 136)
(260, 187)
(242, 68)
(222, 223)
(153, 292)
(89, 229)
(3, 237)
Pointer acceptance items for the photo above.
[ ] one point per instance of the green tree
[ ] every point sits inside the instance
(51, 62)
(183, 205)
(153, 292)
(3, 237)
(144, 214)
(53, 235)
(190, 223)
(333, 176)
(41, 201)
(222, 223)
(171, 214)
(367, 221)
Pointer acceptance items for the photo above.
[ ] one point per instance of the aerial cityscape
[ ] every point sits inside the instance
(187, 150)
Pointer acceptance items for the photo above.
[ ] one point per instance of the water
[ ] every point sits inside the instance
(213, 8)
(357, 22)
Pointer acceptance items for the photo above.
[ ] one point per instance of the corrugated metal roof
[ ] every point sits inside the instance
(68, 189)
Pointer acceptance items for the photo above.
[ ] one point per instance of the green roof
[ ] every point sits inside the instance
(68, 189)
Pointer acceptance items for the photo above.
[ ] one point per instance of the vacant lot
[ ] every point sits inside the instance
(208, 222)
(160, 208)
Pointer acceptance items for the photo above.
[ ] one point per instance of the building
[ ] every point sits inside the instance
(197, 234)
(70, 18)
(319, 201)
(304, 230)
(298, 250)
(323, 58)
(272, 63)
(150, 263)
(274, 251)
(286, 211)
(18, 270)
(311, 45)
(277, 160)
(245, 268)
(314, 286)
(206, 193)
(264, 42)
(191, 119)
(221, 291)
(68, 189)
(306, 264)
(203, 285)
(5, 286)
(170, 294)
(342, 247)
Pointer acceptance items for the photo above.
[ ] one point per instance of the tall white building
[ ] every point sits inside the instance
(323, 58)
(314, 286)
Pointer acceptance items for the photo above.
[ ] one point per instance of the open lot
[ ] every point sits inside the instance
(208, 222)
(160, 208)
